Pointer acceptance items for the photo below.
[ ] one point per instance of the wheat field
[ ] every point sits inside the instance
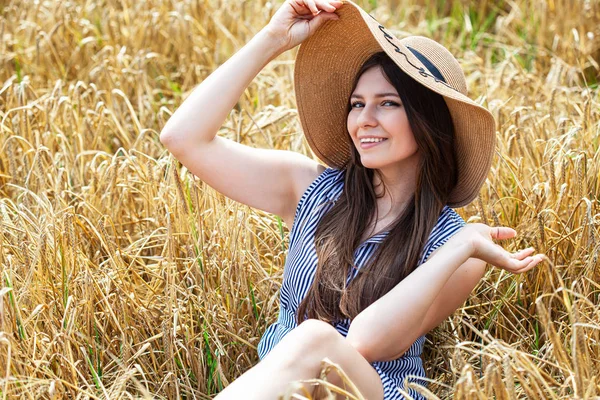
(125, 276)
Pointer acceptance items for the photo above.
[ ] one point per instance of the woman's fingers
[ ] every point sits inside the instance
(535, 261)
(300, 7)
(312, 6)
(320, 19)
(483, 236)
(315, 6)
(296, 20)
(327, 5)
(526, 264)
(519, 255)
(517, 262)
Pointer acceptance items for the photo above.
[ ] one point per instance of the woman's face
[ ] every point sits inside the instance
(377, 113)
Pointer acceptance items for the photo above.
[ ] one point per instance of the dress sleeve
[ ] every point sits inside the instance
(312, 191)
(448, 224)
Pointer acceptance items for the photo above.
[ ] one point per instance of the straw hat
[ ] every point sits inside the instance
(327, 63)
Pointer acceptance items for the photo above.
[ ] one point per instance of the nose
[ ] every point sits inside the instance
(366, 116)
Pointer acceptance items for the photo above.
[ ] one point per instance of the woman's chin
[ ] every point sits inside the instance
(381, 163)
(371, 164)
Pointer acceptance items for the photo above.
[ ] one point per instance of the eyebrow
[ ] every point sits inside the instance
(377, 95)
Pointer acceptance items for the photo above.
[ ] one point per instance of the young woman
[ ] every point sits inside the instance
(403, 144)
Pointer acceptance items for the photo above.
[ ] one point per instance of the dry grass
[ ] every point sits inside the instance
(125, 276)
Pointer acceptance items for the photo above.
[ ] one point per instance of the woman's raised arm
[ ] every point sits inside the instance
(271, 180)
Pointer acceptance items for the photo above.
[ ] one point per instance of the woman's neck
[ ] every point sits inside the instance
(400, 186)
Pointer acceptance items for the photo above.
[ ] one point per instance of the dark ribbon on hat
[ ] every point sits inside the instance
(431, 71)
(428, 64)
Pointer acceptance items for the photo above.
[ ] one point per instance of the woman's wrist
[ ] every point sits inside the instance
(464, 246)
(272, 44)
(463, 241)
(456, 251)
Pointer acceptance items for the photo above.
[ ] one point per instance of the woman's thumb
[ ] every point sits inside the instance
(320, 19)
(502, 232)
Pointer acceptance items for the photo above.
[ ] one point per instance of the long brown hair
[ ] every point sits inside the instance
(341, 228)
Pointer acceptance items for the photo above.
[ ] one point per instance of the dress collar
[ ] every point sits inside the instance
(378, 238)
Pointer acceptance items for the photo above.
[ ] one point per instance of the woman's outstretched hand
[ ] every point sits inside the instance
(296, 20)
(481, 237)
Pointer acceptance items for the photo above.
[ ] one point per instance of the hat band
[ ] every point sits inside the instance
(428, 64)
(427, 74)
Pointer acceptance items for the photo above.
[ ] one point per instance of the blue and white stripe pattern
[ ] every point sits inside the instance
(300, 268)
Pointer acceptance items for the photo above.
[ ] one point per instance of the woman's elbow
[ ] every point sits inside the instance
(167, 137)
(356, 340)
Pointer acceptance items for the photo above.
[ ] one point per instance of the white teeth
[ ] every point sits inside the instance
(371, 140)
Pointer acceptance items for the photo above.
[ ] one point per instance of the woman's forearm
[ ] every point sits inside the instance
(201, 115)
(396, 316)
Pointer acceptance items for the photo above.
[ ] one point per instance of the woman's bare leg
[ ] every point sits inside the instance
(298, 356)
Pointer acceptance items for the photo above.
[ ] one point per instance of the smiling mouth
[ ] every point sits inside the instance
(370, 143)
(372, 140)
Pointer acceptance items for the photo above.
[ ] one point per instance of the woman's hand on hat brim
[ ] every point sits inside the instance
(481, 238)
(297, 20)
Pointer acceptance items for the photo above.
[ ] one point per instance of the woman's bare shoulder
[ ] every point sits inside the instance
(304, 176)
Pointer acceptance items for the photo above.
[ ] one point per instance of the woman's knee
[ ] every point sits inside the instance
(312, 339)
(318, 333)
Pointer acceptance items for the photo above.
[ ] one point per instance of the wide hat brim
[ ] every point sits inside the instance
(324, 72)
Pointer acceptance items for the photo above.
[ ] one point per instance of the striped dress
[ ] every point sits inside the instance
(301, 263)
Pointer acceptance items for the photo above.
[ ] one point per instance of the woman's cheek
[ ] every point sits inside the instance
(351, 126)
